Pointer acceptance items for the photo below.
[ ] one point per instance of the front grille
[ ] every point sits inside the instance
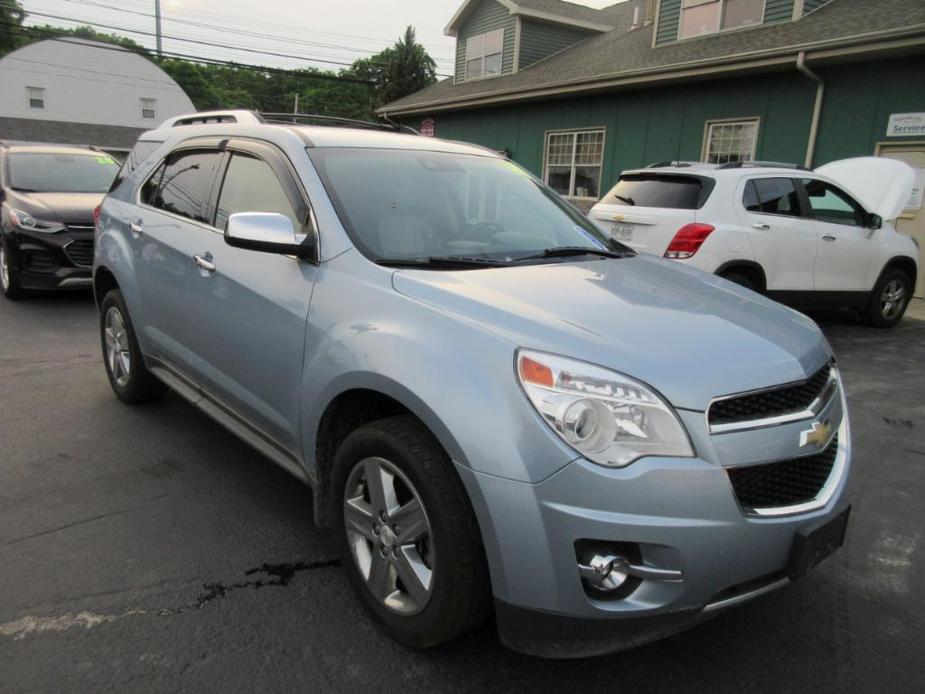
(80, 252)
(784, 483)
(796, 397)
(40, 261)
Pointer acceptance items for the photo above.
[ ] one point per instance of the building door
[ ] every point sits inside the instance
(912, 221)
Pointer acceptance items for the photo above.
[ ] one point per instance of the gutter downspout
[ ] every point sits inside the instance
(817, 107)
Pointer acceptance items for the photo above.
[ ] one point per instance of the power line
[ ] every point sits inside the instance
(230, 30)
(186, 40)
(197, 41)
(30, 32)
(249, 21)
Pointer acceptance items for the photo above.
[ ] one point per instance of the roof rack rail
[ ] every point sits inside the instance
(761, 164)
(298, 118)
(663, 164)
(208, 117)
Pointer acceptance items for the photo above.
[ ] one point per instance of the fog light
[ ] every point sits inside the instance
(605, 572)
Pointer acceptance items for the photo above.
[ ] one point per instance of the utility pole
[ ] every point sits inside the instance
(295, 108)
(157, 27)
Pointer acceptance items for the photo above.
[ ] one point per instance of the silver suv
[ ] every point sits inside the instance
(498, 407)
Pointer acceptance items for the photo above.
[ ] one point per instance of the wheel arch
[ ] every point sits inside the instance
(748, 268)
(350, 402)
(904, 263)
(104, 281)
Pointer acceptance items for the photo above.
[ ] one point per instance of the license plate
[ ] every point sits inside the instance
(622, 232)
(813, 544)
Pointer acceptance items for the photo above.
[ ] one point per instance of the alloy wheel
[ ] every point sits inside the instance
(4, 270)
(389, 535)
(892, 299)
(118, 356)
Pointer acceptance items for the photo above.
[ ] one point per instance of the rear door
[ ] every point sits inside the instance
(174, 202)
(783, 241)
(645, 210)
(249, 311)
(847, 248)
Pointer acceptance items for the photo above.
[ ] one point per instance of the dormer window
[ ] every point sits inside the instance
(701, 17)
(483, 54)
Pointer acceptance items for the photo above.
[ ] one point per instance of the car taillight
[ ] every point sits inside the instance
(96, 217)
(688, 240)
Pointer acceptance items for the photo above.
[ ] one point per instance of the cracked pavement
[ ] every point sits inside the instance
(146, 549)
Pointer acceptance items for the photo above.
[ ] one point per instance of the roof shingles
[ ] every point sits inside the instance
(621, 51)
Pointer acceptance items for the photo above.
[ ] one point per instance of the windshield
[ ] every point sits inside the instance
(415, 205)
(61, 173)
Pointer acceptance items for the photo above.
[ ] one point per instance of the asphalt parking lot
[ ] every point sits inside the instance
(146, 549)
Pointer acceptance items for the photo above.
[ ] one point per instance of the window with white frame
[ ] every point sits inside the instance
(734, 140)
(36, 97)
(149, 109)
(573, 162)
(484, 54)
(700, 17)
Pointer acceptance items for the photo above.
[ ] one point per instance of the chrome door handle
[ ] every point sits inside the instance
(761, 226)
(829, 238)
(135, 227)
(204, 262)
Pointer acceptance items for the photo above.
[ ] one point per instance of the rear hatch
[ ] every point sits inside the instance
(645, 209)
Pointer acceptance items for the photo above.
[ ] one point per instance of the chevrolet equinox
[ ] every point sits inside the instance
(499, 408)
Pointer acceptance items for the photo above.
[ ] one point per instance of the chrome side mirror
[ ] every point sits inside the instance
(268, 232)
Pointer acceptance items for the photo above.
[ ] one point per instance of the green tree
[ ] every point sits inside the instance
(11, 19)
(399, 70)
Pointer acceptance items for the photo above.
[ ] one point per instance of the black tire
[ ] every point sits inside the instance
(877, 313)
(740, 279)
(11, 288)
(460, 595)
(139, 384)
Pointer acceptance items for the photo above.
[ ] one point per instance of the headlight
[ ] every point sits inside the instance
(24, 220)
(609, 418)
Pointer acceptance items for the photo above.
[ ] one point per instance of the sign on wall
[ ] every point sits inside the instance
(906, 125)
(918, 192)
(429, 127)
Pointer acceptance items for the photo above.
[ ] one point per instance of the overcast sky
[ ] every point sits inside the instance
(337, 31)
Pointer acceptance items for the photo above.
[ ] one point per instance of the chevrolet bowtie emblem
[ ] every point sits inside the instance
(618, 218)
(818, 435)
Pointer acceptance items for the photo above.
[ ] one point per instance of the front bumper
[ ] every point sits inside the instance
(58, 261)
(681, 514)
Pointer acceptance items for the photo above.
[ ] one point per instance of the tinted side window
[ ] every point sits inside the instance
(772, 196)
(149, 189)
(251, 186)
(831, 204)
(139, 153)
(186, 184)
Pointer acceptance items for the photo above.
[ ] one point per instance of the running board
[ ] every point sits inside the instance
(231, 421)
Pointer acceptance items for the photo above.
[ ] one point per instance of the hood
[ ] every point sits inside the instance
(690, 335)
(882, 185)
(70, 208)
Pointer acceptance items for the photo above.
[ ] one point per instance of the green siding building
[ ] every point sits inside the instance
(577, 95)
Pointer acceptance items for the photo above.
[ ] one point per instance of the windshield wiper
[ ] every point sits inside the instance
(25, 190)
(570, 251)
(448, 261)
(628, 201)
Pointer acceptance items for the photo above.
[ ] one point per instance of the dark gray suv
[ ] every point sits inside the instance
(48, 195)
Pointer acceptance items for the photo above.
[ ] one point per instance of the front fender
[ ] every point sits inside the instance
(454, 374)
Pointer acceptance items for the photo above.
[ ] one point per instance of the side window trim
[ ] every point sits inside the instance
(201, 145)
(803, 212)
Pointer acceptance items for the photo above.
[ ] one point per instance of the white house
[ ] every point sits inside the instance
(84, 92)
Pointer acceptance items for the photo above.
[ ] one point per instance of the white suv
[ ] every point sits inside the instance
(791, 233)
